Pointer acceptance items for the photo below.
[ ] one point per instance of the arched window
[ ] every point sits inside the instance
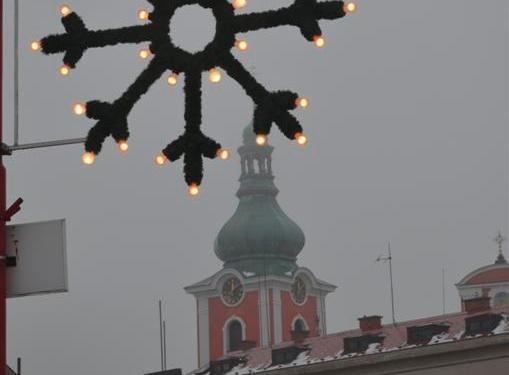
(299, 326)
(501, 299)
(234, 336)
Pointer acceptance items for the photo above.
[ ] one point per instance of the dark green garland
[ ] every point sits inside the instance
(271, 107)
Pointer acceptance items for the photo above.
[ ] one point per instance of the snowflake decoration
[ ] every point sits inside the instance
(193, 145)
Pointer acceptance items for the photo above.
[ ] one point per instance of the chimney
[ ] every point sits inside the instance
(477, 305)
(370, 323)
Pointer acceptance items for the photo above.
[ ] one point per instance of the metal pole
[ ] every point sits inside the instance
(161, 333)
(164, 345)
(16, 72)
(392, 286)
(63, 142)
(19, 366)
(3, 322)
(443, 291)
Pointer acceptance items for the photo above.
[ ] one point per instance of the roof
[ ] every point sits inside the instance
(492, 274)
(330, 347)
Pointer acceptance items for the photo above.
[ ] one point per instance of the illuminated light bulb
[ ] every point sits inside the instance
(238, 4)
(123, 146)
(160, 159)
(173, 79)
(88, 158)
(350, 7)
(319, 41)
(144, 53)
(64, 70)
(302, 102)
(143, 14)
(194, 190)
(214, 75)
(242, 45)
(223, 154)
(65, 10)
(79, 109)
(261, 140)
(301, 139)
(35, 45)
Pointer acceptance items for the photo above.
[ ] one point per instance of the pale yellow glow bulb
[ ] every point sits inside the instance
(88, 158)
(319, 41)
(65, 10)
(144, 53)
(194, 190)
(261, 140)
(302, 102)
(223, 154)
(214, 75)
(301, 139)
(79, 109)
(238, 4)
(64, 70)
(143, 14)
(160, 159)
(242, 45)
(123, 146)
(350, 7)
(35, 45)
(173, 79)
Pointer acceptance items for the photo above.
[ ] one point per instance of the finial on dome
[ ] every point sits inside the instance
(499, 240)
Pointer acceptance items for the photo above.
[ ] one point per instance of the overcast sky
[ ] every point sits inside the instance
(408, 131)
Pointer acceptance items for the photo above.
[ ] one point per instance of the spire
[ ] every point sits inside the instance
(259, 238)
(500, 241)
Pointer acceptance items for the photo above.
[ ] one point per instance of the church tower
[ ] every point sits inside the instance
(260, 297)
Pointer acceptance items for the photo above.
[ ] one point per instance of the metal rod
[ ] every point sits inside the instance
(161, 333)
(63, 142)
(392, 285)
(19, 366)
(16, 72)
(443, 291)
(164, 345)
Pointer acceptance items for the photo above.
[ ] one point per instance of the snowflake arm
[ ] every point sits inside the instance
(270, 106)
(304, 14)
(193, 144)
(112, 117)
(78, 38)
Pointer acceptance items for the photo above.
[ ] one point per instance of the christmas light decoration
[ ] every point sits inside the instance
(215, 58)
(35, 45)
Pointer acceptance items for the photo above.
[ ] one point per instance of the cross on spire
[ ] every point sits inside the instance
(499, 240)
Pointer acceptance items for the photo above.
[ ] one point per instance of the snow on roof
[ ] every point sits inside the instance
(330, 347)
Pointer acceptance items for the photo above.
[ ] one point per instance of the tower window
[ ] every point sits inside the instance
(234, 336)
(501, 299)
(299, 326)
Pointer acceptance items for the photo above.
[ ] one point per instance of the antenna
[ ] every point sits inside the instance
(443, 291)
(385, 259)
(164, 346)
(161, 333)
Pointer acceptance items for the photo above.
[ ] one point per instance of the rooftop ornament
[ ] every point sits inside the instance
(192, 145)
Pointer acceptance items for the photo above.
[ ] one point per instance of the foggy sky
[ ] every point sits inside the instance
(408, 131)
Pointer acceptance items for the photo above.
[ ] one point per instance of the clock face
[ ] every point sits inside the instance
(299, 292)
(233, 290)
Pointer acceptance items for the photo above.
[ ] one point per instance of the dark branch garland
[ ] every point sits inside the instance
(271, 107)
